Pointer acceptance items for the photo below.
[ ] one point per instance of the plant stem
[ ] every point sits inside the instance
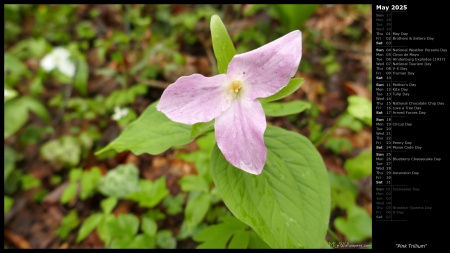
(329, 131)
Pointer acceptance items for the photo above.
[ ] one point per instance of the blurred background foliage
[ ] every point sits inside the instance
(58, 194)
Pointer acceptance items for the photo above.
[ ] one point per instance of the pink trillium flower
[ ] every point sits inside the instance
(232, 99)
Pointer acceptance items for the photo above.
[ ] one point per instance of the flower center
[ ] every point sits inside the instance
(236, 86)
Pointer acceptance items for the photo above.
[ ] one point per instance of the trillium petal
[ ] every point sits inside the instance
(67, 67)
(48, 62)
(267, 69)
(195, 98)
(240, 135)
(61, 53)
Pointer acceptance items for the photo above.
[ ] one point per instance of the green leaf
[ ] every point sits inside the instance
(293, 16)
(122, 242)
(174, 204)
(9, 161)
(65, 150)
(68, 223)
(89, 181)
(120, 182)
(360, 166)
(287, 90)
(276, 109)
(343, 191)
(16, 115)
(240, 240)
(202, 127)
(149, 227)
(217, 236)
(75, 174)
(154, 215)
(142, 241)
(360, 108)
(338, 145)
(37, 107)
(82, 75)
(108, 204)
(7, 203)
(103, 228)
(128, 223)
(193, 182)
(288, 204)
(255, 242)
(357, 226)
(89, 225)
(150, 193)
(165, 240)
(347, 120)
(29, 181)
(222, 45)
(197, 206)
(69, 193)
(151, 133)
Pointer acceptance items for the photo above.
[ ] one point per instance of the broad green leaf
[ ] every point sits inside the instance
(197, 206)
(120, 182)
(149, 227)
(193, 182)
(108, 204)
(347, 120)
(217, 236)
(7, 203)
(151, 133)
(150, 193)
(122, 242)
(343, 191)
(142, 241)
(129, 224)
(154, 215)
(9, 161)
(293, 16)
(276, 109)
(13, 66)
(89, 181)
(29, 181)
(65, 150)
(174, 204)
(287, 90)
(255, 242)
(69, 193)
(202, 127)
(82, 75)
(37, 107)
(222, 45)
(68, 223)
(240, 240)
(338, 145)
(103, 227)
(360, 166)
(89, 225)
(360, 108)
(165, 240)
(75, 174)
(16, 115)
(288, 204)
(357, 226)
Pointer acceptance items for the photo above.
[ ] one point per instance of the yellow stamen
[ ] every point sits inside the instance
(235, 86)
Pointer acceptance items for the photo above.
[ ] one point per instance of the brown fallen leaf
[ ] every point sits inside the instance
(16, 240)
(357, 89)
